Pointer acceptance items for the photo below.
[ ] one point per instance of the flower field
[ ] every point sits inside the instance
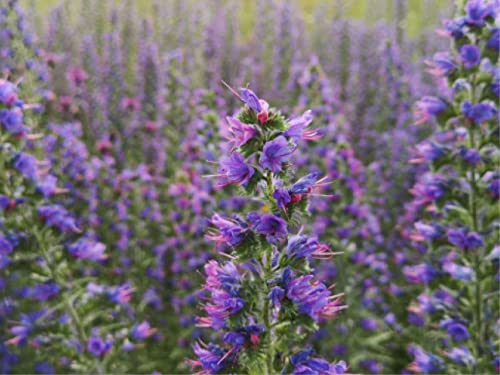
(226, 187)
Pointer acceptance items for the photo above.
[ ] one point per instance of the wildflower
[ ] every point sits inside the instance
(307, 247)
(258, 105)
(424, 362)
(44, 291)
(313, 299)
(121, 294)
(86, 248)
(8, 92)
(271, 226)
(428, 107)
(211, 358)
(461, 355)
(142, 331)
(476, 11)
(251, 100)
(441, 64)
(478, 113)
(223, 285)
(26, 164)
(420, 274)
(97, 346)
(6, 246)
(470, 55)
(275, 153)
(282, 198)
(459, 272)
(494, 40)
(241, 132)
(57, 216)
(456, 329)
(77, 75)
(464, 240)
(297, 126)
(12, 120)
(276, 295)
(303, 364)
(231, 232)
(471, 156)
(25, 327)
(234, 170)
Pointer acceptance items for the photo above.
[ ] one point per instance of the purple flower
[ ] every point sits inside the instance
(476, 11)
(297, 128)
(424, 362)
(26, 164)
(12, 120)
(428, 107)
(478, 113)
(276, 295)
(458, 272)
(275, 153)
(369, 324)
(305, 184)
(470, 55)
(307, 247)
(57, 216)
(304, 364)
(456, 329)
(273, 227)
(427, 232)
(142, 331)
(464, 240)
(230, 232)
(7, 92)
(251, 100)
(471, 156)
(494, 40)
(241, 132)
(98, 347)
(47, 185)
(234, 170)
(313, 299)
(86, 248)
(441, 64)
(223, 283)
(211, 358)
(6, 246)
(461, 355)
(121, 294)
(420, 274)
(44, 291)
(282, 198)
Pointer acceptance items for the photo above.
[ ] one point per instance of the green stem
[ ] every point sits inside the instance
(475, 227)
(267, 267)
(75, 318)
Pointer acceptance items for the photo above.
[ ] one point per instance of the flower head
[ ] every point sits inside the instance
(275, 153)
(470, 55)
(271, 226)
(241, 132)
(234, 170)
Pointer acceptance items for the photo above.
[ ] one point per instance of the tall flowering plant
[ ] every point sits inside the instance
(264, 299)
(455, 203)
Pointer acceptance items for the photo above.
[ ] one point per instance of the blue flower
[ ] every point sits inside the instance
(456, 329)
(251, 100)
(275, 153)
(271, 226)
(470, 55)
(478, 113)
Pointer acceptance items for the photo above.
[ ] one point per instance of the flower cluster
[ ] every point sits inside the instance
(265, 294)
(454, 203)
